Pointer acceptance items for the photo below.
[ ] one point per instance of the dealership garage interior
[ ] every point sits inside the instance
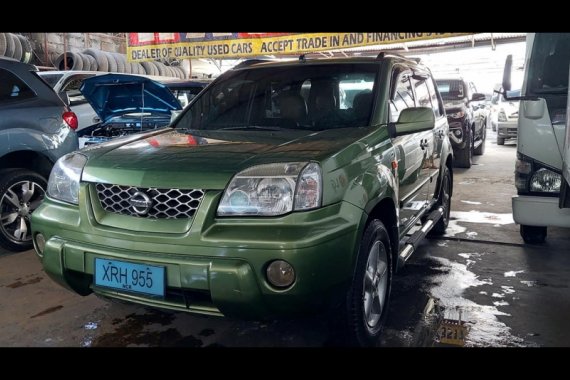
(284, 189)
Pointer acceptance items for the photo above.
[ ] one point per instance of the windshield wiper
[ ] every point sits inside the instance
(246, 127)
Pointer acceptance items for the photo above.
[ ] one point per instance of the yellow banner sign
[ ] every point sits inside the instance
(152, 46)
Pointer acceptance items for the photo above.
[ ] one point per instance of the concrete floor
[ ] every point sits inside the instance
(506, 293)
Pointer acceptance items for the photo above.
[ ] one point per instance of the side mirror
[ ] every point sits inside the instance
(507, 75)
(63, 95)
(413, 120)
(477, 97)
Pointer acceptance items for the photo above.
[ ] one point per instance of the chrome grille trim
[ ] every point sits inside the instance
(166, 203)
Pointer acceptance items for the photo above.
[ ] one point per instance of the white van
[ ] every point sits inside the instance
(543, 142)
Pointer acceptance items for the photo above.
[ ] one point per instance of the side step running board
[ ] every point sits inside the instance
(413, 241)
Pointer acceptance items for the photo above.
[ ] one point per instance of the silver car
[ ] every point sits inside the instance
(505, 116)
(36, 128)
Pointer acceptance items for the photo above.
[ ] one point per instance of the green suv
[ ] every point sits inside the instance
(283, 188)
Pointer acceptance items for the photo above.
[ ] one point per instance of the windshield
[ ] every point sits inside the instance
(451, 89)
(548, 67)
(313, 97)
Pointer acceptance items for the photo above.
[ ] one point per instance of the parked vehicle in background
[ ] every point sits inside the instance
(467, 123)
(268, 196)
(69, 82)
(185, 90)
(507, 117)
(542, 198)
(36, 128)
(505, 113)
(125, 104)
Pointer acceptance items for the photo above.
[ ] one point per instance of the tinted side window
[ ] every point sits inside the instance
(435, 103)
(422, 93)
(402, 94)
(12, 88)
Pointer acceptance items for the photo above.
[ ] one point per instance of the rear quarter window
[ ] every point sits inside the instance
(13, 88)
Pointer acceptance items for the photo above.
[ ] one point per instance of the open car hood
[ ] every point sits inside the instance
(114, 95)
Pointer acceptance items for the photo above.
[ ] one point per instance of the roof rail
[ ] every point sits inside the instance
(320, 54)
(384, 54)
(249, 62)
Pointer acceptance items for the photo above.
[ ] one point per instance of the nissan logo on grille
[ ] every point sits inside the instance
(140, 203)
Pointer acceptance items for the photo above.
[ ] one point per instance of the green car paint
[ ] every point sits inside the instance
(217, 265)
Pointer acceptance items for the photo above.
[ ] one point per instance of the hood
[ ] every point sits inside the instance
(511, 108)
(209, 159)
(452, 104)
(114, 95)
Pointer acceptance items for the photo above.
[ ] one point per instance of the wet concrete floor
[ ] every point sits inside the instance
(479, 285)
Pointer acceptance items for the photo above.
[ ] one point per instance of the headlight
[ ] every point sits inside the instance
(457, 115)
(545, 181)
(64, 179)
(273, 189)
(502, 115)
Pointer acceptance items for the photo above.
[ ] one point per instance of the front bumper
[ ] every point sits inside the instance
(218, 266)
(539, 211)
(507, 129)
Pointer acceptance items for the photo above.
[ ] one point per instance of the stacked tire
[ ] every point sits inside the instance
(98, 60)
(16, 46)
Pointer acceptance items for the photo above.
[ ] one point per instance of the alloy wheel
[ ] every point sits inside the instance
(16, 206)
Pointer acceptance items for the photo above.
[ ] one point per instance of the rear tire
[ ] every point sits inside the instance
(21, 192)
(533, 234)
(368, 297)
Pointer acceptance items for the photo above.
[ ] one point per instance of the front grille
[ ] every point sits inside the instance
(166, 203)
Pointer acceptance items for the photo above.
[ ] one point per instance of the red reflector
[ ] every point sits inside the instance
(71, 119)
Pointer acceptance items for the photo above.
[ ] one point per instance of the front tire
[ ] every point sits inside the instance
(21, 192)
(533, 234)
(500, 141)
(481, 148)
(444, 200)
(369, 294)
(464, 156)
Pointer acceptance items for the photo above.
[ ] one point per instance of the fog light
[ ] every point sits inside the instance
(40, 243)
(280, 274)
